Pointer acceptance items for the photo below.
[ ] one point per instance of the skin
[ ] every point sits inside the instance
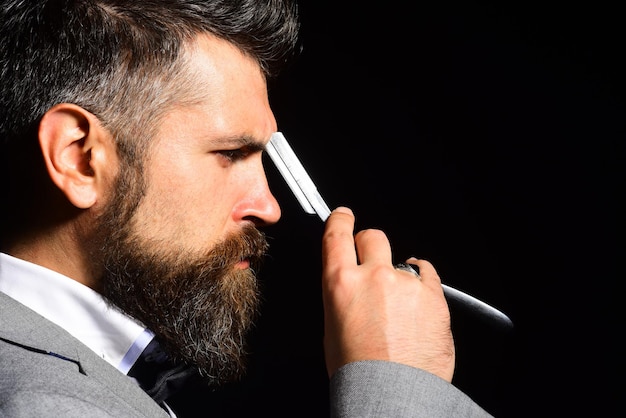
(206, 180)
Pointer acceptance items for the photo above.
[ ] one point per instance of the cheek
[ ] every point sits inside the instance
(191, 214)
(195, 201)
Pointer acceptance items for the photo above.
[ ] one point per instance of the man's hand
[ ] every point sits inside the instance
(376, 312)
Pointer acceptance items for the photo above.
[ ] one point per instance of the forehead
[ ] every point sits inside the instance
(226, 89)
(218, 69)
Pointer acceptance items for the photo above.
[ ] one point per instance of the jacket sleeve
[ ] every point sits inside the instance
(386, 389)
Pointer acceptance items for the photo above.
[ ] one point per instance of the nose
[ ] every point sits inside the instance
(259, 205)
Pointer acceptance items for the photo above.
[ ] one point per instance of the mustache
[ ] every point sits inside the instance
(250, 244)
(178, 270)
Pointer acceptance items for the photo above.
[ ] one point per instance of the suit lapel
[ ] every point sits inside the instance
(22, 326)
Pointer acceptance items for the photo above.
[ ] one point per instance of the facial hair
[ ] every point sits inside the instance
(200, 305)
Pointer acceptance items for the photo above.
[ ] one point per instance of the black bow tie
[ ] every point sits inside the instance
(157, 375)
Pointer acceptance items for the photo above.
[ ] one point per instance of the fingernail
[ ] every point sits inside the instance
(343, 209)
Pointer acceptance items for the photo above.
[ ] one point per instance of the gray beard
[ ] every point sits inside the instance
(199, 305)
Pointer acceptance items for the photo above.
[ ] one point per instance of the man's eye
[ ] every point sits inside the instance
(233, 154)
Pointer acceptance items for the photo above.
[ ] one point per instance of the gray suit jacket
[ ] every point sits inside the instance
(45, 372)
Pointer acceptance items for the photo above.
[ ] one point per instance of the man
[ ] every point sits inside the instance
(132, 135)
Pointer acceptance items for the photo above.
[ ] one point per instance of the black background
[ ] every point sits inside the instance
(488, 139)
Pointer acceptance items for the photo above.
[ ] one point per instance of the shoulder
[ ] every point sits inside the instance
(43, 369)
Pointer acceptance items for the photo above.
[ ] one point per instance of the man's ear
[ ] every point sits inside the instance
(78, 152)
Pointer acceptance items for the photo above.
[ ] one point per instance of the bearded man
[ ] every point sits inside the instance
(132, 136)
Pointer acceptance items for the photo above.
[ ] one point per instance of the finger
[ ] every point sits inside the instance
(373, 247)
(338, 240)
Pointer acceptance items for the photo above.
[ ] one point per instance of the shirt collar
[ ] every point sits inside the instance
(114, 336)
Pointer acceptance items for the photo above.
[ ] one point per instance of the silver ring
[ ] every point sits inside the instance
(408, 267)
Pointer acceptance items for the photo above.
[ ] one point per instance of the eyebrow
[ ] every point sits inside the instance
(242, 141)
